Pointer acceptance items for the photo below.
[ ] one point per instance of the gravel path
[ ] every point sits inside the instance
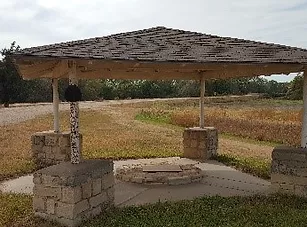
(22, 112)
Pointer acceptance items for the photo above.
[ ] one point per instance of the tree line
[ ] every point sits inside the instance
(15, 90)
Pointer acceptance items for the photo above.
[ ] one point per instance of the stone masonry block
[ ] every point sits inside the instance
(71, 211)
(71, 194)
(281, 179)
(61, 157)
(94, 212)
(50, 206)
(86, 189)
(194, 143)
(194, 135)
(64, 140)
(51, 140)
(36, 148)
(65, 210)
(37, 178)
(62, 221)
(289, 170)
(51, 181)
(39, 157)
(186, 142)
(179, 180)
(48, 192)
(289, 153)
(299, 180)
(80, 173)
(96, 186)
(51, 157)
(58, 197)
(186, 135)
(203, 143)
(38, 139)
(65, 150)
(111, 193)
(300, 190)
(47, 150)
(107, 181)
(98, 199)
(302, 172)
(50, 148)
(190, 152)
(287, 187)
(39, 204)
(81, 206)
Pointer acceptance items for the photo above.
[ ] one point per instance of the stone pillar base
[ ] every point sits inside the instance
(289, 171)
(50, 148)
(70, 193)
(200, 143)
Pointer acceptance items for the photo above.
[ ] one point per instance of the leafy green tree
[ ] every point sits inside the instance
(14, 89)
(10, 80)
(295, 90)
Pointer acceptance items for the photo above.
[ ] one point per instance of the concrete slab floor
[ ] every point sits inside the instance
(219, 180)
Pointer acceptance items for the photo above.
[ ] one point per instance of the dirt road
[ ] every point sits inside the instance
(26, 111)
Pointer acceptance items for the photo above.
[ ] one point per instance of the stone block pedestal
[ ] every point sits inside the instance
(200, 143)
(289, 171)
(50, 148)
(71, 193)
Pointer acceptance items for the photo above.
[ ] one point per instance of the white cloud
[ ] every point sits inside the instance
(38, 22)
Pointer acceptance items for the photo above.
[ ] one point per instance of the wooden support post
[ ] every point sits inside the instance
(202, 105)
(74, 118)
(55, 94)
(304, 120)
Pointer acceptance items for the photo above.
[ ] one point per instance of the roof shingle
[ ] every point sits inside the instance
(162, 44)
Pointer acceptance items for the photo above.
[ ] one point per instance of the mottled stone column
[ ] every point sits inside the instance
(74, 133)
(74, 119)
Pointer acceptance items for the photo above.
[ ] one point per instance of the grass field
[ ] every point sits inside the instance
(114, 133)
(276, 210)
(273, 124)
(128, 131)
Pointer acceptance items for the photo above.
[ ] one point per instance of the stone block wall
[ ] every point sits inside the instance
(200, 143)
(71, 193)
(50, 148)
(289, 171)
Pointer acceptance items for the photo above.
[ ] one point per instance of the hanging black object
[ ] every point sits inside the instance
(73, 93)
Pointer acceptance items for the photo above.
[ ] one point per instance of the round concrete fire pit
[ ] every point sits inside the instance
(165, 174)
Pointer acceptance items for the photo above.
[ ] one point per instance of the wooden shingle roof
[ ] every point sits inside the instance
(171, 45)
(160, 53)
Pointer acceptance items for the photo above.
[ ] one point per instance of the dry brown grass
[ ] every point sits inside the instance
(114, 133)
(111, 133)
(15, 146)
(264, 124)
(117, 135)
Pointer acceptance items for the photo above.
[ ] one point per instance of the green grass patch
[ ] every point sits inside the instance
(278, 102)
(274, 210)
(15, 209)
(248, 140)
(159, 116)
(133, 153)
(212, 211)
(255, 166)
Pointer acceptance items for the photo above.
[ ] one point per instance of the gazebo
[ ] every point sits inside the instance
(155, 53)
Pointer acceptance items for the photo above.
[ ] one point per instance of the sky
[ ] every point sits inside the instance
(39, 22)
